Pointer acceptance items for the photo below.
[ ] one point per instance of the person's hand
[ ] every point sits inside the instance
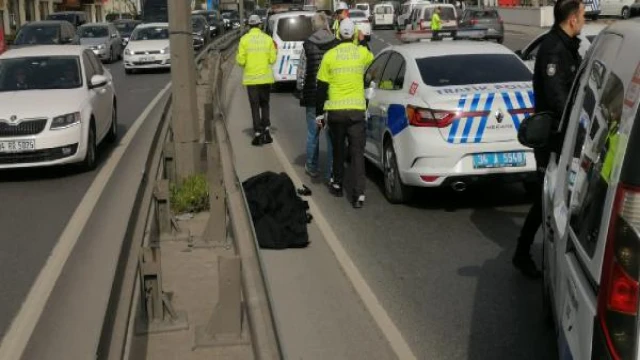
(320, 121)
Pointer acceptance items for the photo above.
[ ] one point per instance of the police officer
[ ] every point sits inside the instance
(256, 54)
(342, 12)
(436, 23)
(341, 84)
(556, 65)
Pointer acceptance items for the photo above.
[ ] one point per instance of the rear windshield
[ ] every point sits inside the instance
(591, 38)
(357, 14)
(362, 7)
(384, 10)
(484, 14)
(64, 17)
(295, 28)
(467, 69)
(446, 13)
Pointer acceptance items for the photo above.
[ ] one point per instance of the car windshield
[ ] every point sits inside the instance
(196, 25)
(150, 33)
(484, 14)
(230, 15)
(40, 73)
(451, 70)
(93, 32)
(126, 28)
(446, 13)
(64, 17)
(38, 35)
(384, 10)
(295, 28)
(357, 14)
(362, 7)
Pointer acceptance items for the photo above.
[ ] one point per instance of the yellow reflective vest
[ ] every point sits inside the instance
(610, 155)
(436, 23)
(336, 32)
(256, 54)
(343, 69)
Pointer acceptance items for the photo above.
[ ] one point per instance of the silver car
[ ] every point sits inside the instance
(486, 18)
(103, 39)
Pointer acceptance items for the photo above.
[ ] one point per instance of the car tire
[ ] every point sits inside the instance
(626, 13)
(90, 159)
(394, 190)
(112, 136)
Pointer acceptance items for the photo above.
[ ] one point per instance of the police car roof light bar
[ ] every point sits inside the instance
(455, 34)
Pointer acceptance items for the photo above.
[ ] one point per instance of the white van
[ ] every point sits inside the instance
(421, 17)
(591, 204)
(618, 8)
(405, 12)
(383, 16)
(364, 7)
(289, 30)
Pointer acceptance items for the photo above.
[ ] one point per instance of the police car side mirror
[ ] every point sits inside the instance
(536, 130)
(519, 53)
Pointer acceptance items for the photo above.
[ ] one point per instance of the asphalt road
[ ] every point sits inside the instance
(35, 205)
(441, 264)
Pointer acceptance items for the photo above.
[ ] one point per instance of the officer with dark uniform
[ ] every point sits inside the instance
(555, 69)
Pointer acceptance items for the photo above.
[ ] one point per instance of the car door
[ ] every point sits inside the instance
(101, 97)
(579, 202)
(115, 40)
(529, 53)
(372, 79)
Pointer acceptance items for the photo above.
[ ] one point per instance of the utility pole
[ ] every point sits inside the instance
(184, 117)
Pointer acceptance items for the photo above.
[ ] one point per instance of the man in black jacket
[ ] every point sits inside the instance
(555, 69)
(313, 50)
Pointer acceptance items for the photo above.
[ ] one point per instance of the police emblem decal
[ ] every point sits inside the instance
(499, 116)
(551, 69)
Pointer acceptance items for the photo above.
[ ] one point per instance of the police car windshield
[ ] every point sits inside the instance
(295, 28)
(467, 69)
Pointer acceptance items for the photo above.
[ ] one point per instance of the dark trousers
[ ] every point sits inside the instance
(533, 221)
(259, 100)
(343, 125)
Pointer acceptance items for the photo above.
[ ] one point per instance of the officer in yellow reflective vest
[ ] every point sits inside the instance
(436, 24)
(342, 12)
(256, 54)
(610, 155)
(341, 94)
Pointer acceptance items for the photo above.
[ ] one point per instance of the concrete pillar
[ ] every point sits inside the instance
(93, 13)
(22, 16)
(50, 5)
(36, 15)
(6, 18)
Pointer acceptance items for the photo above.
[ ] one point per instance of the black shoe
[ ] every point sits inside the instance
(257, 140)
(527, 267)
(266, 138)
(335, 189)
(358, 202)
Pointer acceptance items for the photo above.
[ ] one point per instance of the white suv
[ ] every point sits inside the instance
(591, 201)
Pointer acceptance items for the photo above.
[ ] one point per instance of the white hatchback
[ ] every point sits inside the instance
(58, 104)
(148, 48)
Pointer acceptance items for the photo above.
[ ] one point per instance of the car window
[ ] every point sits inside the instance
(39, 73)
(484, 14)
(97, 64)
(150, 33)
(357, 14)
(450, 70)
(362, 7)
(374, 72)
(391, 72)
(38, 35)
(531, 51)
(446, 13)
(384, 10)
(295, 28)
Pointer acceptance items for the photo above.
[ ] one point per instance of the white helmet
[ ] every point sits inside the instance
(342, 6)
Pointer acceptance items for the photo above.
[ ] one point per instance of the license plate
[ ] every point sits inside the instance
(17, 146)
(499, 160)
(147, 59)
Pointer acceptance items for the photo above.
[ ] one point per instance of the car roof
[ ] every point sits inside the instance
(95, 24)
(628, 28)
(291, 14)
(45, 22)
(155, 24)
(43, 50)
(421, 50)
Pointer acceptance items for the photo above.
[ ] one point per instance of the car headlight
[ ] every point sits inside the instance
(165, 50)
(65, 120)
(212, 28)
(101, 46)
(127, 52)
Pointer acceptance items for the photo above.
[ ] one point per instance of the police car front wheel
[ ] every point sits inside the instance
(394, 190)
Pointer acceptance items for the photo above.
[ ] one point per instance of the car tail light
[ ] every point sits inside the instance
(500, 20)
(429, 178)
(618, 296)
(429, 117)
(473, 21)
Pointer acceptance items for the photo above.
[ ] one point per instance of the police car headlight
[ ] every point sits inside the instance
(127, 52)
(65, 120)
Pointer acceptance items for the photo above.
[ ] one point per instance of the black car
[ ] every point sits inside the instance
(232, 17)
(48, 32)
(77, 18)
(200, 29)
(216, 24)
(125, 28)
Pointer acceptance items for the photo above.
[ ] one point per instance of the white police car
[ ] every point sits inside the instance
(591, 205)
(446, 113)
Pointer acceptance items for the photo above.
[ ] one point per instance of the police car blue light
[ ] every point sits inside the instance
(447, 112)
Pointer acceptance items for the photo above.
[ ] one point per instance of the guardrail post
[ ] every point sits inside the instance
(225, 326)
(158, 314)
(169, 228)
(168, 154)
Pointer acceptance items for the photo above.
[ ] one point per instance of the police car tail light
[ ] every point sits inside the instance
(619, 287)
(429, 117)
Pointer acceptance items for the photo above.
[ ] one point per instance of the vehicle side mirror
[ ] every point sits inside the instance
(536, 130)
(519, 53)
(98, 81)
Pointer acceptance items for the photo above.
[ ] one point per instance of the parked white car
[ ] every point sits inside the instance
(362, 23)
(148, 48)
(587, 36)
(591, 202)
(58, 104)
(618, 8)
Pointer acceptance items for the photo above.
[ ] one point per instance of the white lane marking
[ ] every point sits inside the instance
(23, 325)
(373, 305)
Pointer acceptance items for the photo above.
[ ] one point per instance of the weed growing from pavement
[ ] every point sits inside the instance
(190, 196)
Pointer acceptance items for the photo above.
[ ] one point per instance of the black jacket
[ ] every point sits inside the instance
(314, 49)
(555, 69)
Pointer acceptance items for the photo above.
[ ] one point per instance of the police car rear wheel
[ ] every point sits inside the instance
(394, 190)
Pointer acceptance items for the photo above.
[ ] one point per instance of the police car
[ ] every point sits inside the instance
(446, 113)
(591, 205)
(289, 30)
